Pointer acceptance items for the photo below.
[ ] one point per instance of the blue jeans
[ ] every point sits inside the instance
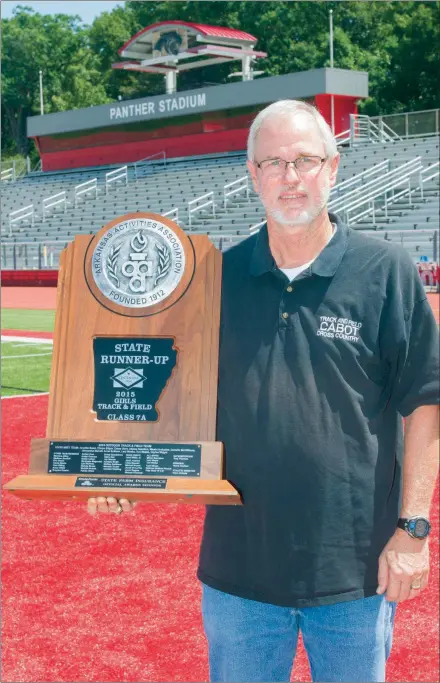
(253, 641)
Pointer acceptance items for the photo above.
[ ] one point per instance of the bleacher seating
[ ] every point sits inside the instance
(160, 188)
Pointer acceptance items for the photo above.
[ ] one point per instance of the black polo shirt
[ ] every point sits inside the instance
(314, 379)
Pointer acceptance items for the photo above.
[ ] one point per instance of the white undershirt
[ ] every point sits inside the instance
(292, 273)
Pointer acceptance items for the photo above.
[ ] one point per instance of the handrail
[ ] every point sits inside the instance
(371, 198)
(149, 159)
(152, 156)
(425, 180)
(244, 186)
(48, 204)
(173, 214)
(342, 138)
(357, 128)
(114, 176)
(210, 202)
(17, 169)
(338, 203)
(364, 174)
(85, 189)
(20, 218)
(363, 128)
(8, 174)
(393, 135)
(344, 132)
(378, 132)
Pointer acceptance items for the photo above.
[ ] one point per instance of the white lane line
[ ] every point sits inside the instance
(22, 347)
(43, 393)
(28, 355)
(17, 345)
(29, 340)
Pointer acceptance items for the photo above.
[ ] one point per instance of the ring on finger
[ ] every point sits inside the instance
(417, 584)
(118, 509)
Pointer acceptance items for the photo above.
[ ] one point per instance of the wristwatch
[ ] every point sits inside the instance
(417, 527)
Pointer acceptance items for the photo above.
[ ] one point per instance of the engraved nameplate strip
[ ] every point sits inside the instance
(155, 459)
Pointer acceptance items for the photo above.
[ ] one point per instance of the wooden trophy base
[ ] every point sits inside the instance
(176, 490)
(60, 469)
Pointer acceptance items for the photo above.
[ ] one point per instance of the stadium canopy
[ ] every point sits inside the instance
(170, 47)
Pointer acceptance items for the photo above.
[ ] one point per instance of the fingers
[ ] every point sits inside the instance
(112, 505)
(92, 506)
(417, 580)
(109, 505)
(395, 577)
(402, 578)
(382, 577)
(100, 504)
(126, 505)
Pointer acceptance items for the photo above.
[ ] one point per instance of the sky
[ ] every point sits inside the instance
(84, 8)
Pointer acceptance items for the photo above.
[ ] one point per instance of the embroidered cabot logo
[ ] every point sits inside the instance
(338, 328)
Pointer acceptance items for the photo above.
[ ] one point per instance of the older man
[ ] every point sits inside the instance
(327, 340)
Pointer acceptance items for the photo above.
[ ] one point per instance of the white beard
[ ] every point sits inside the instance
(304, 217)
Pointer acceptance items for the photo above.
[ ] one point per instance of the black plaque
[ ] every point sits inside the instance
(127, 483)
(82, 457)
(130, 376)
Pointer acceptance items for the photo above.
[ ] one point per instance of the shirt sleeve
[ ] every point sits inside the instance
(417, 369)
(408, 337)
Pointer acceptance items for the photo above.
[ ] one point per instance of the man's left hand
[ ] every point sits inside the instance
(403, 567)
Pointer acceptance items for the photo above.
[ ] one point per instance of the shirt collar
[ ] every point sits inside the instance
(325, 264)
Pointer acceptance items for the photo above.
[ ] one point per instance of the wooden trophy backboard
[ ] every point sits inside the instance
(133, 391)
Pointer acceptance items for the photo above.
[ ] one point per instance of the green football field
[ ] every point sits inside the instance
(24, 319)
(26, 364)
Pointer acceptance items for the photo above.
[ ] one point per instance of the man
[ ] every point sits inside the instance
(327, 340)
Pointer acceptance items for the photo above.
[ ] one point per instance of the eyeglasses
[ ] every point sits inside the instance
(303, 165)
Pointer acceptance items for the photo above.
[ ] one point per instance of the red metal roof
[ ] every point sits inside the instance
(204, 29)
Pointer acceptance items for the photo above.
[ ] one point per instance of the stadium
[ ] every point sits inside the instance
(182, 154)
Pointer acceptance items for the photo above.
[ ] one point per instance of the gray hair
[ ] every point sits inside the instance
(285, 109)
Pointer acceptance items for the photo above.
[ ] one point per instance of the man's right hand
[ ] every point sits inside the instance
(107, 505)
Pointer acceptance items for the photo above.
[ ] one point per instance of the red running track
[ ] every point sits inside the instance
(43, 298)
(116, 598)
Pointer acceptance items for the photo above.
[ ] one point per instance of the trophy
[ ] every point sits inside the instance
(133, 390)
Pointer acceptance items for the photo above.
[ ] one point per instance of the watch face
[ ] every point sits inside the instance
(420, 528)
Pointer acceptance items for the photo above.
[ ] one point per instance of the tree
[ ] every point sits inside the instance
(57, 45)
(106, 36)
(411, 49)
(397, 43)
